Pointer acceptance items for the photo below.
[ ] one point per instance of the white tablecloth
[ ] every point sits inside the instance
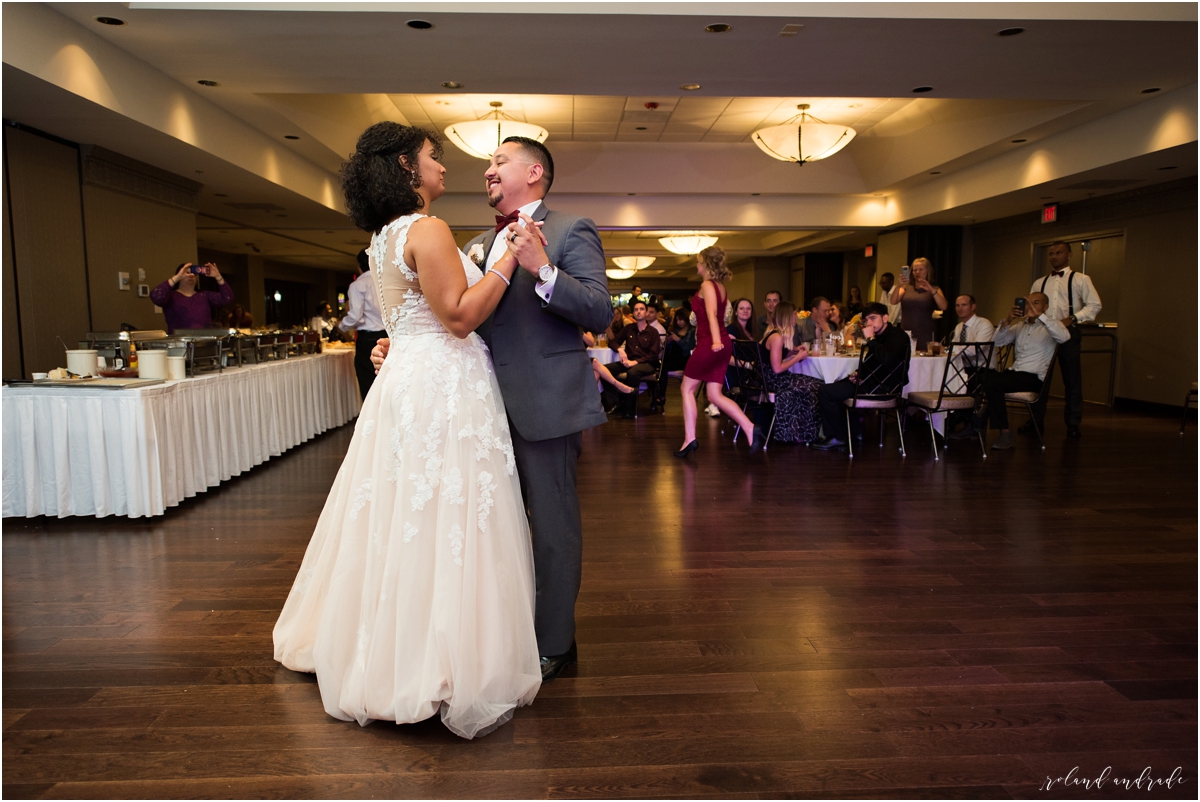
(924, 374)
(89, 451)
(603, 355)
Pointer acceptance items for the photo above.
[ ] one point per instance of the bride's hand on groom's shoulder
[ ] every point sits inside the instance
(528, 244)
(380, 352)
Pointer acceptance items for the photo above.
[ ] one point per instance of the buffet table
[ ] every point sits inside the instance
(135, 452)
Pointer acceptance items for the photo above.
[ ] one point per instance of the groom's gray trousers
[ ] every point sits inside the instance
(552, 504)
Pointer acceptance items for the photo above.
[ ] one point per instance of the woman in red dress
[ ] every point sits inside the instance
(714, 347)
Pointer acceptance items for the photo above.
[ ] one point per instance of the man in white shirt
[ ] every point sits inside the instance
(1073, 300)
(884, 296)
(1036, 334)
(364, 316)
(970, 329)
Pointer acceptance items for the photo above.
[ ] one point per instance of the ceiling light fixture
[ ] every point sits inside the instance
(803, 138)
(618, 274)
(110, 21)
(1151, 90)
(290, 136)
(922, 89)
(686, 243)
(479, 138)
(718, 27)
(207, 83)
(633, 262)
(419, 24)
(935, 172)
(1010, 31)
(452, 85)
(1019, 141)
(689, 87)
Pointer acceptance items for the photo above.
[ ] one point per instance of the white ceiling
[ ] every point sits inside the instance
(586, 73)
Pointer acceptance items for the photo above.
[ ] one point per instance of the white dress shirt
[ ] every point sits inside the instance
(500, 245)
(893, 309)
(979, 330)
(363, 313)
(1087, 300)
(1036, 339)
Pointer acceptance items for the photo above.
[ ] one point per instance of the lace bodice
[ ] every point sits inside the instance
(405, 310)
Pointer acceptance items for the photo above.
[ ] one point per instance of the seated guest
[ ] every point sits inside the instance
(838, 317)
(601, 371)
(970, 329)
(884, 354)
(681, 339)
(742, 326)
(618, 323)
(796, 418)
(652, 313)
(638, 346)
(1036, 335)
(816, 325)
(855, 305)
(771, 301)
(185, 307)
(239, 318)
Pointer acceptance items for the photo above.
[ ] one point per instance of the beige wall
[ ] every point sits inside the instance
(891, 253)
(858, 270)
(47, 247)
(125, 234)
(1156, 341)
(796, 282)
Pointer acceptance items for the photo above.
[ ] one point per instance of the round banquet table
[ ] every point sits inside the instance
(924, 375)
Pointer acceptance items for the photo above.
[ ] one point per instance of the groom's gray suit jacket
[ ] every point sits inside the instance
(541, 363)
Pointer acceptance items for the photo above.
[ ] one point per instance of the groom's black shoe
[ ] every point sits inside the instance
(553, 666)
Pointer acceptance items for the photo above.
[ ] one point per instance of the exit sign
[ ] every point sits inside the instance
(869, 251)
(1050, 213)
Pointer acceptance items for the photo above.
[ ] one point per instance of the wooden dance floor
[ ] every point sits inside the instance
(793, 624)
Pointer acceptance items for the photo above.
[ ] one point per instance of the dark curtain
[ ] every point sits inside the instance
(292, 308)
(942, 246)
(822, 276)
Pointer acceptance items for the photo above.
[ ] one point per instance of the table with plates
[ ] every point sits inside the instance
(924, 374)
(136, 452)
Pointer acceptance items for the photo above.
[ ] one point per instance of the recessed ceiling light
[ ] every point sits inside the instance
(718, 27)
(631, 194)
(935, 172)
(451, 85)
(221, 195)
(922, 89)
(281, 215)
(755, 194)
(854, 106)
(1170, 167)
(641, 128)
(290, 136)
(1019, 141)
(689, 87)
(1010, 31)
(1151, 90)
(110, 21)
(419, 24)
(207, 83)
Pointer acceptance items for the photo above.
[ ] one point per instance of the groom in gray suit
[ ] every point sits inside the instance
(543, 370)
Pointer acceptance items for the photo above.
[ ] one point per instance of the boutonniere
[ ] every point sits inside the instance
(476, 254)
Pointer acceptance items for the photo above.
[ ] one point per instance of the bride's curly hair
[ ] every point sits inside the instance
(377, 187)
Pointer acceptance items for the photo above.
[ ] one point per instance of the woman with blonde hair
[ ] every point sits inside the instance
(714, 347)
(797, 419)
(917, 298)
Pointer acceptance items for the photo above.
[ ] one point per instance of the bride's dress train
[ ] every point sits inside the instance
(416, 593)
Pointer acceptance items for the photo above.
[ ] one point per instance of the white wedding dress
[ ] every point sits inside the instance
(416, 593)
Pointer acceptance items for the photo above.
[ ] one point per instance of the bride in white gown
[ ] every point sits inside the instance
(416, 594)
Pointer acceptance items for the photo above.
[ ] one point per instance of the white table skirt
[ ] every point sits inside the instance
(603, 355)
(85, 451)
(924, 374)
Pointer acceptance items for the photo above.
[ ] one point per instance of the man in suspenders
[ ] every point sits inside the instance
(1073, 300)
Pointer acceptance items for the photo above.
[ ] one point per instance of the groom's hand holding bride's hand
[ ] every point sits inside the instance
(380, 352)
(527, 244)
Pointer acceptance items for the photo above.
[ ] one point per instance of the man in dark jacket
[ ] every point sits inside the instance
(884, 370)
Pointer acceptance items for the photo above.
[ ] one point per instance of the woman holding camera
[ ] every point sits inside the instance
(186, 307)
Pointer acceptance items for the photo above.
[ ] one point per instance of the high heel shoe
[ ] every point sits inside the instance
(687, 450)
(760, 440)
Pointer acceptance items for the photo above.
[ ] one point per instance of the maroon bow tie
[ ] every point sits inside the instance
(1055, 273)
(503, 221)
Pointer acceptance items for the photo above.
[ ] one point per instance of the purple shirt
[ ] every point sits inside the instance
(195, 312)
